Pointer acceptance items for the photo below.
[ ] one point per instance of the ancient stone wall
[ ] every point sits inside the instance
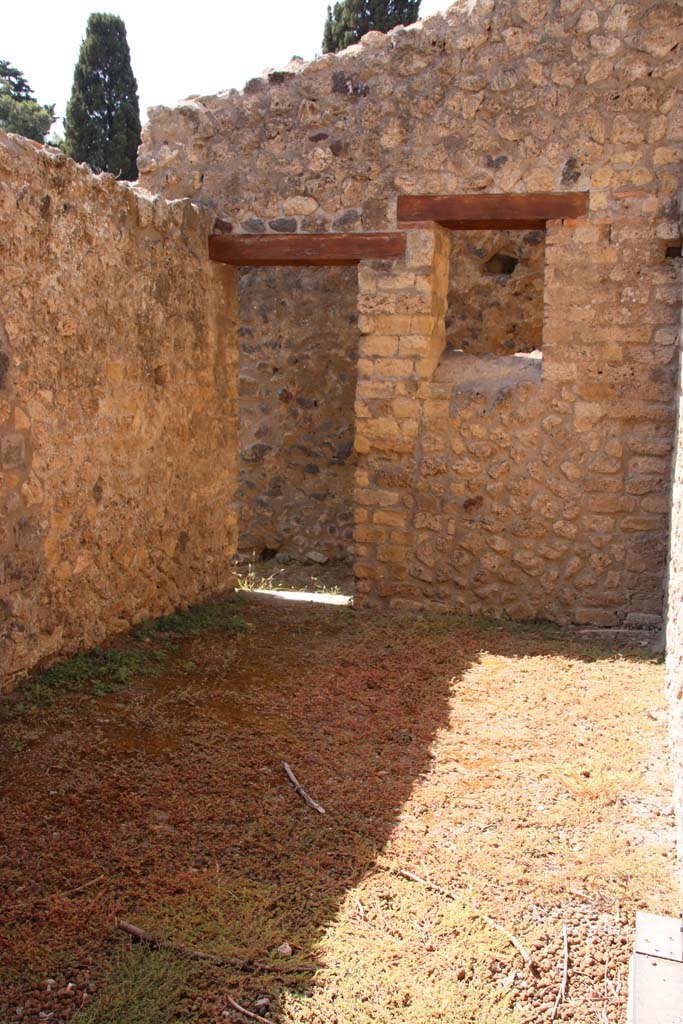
(674, 630)
(495, 292)
(297, 381)
(297, 384)
(551, 498)
(118, 432)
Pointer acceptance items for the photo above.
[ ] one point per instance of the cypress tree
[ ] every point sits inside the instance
(349, 20)
(102, 126)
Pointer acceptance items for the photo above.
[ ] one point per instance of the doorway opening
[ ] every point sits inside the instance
(297, 380)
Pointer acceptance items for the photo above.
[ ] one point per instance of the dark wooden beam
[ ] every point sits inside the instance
(494, 223)
(481, 212)
(329, 250)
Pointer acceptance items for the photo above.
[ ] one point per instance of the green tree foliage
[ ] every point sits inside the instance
(102, 126)
(349, 20)
(14, 82)
(19, 110)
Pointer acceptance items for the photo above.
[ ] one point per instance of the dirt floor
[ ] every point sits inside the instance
(518, 770)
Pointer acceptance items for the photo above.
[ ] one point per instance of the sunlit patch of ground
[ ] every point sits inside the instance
(516, 769)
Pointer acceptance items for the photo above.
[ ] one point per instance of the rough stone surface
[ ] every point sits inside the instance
(297, 386)
(674, 630)
(498, 96)
(495, 292)
(118, 432)
(298, 378)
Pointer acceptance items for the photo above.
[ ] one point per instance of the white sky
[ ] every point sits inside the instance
(177, 49)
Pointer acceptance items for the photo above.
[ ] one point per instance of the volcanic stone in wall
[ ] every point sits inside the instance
(297, 380)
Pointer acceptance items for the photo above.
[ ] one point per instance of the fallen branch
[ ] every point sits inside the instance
(565, 974)
(508, 935)
(156, 943)
(253, 966)
(247, 1013)
(300, 791)
(474, 913)
(72, 892)
(430, 885)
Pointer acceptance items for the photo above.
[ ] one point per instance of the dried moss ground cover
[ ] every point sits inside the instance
(515, 767)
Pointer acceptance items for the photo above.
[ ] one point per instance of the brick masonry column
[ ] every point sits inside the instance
(402, 308)
(611, 323)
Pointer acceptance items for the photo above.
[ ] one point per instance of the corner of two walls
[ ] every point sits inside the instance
(118, 430)
(547, 497)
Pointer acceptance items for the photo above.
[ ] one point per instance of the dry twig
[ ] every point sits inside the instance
(508, 935)
(615, 990)
(253, 966)
(247, 1013)
(565, 974)
(72, 892)
(300, 791)
(475, 913)
(430, 885)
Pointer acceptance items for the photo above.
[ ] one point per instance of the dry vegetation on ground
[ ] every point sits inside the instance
(515, 767)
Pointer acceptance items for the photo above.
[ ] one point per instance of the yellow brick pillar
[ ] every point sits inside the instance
(402, 309)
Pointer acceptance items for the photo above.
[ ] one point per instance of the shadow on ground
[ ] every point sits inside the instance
(166, 805)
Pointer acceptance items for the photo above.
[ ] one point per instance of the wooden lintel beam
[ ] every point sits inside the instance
(328, 250)
(477, 212)
(494, 225)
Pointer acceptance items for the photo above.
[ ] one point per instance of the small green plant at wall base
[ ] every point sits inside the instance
(97, 672)
(252, 579)
(104, 670)
(320, 587)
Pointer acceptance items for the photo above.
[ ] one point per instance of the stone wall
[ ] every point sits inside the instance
(297, 380)
(674, 630)
(118, 445)
(297, 384)
(509, 96)
(495, 292)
